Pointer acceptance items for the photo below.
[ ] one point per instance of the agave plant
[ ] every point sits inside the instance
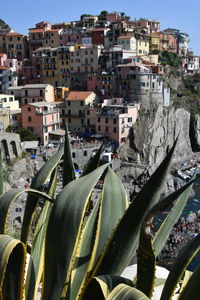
(73, 254)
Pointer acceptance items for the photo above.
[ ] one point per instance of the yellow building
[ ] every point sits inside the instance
(63, 66)
(142, 47)
(77, 104)
(60, 93)
(154, 41)
(51, 38)
(50, 66)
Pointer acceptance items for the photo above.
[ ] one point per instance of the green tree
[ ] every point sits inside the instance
(25, 134)
(169, 58)
(3, 24)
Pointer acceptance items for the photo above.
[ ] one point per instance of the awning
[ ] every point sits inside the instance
(59, 132)
(29, 145)
(97, 135)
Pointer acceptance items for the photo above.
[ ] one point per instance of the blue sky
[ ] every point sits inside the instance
(180, 14)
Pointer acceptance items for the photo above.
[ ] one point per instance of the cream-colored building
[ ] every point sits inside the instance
(127, 42)
(31, 93)
(10, 112)
(77, 104)
(8, 101)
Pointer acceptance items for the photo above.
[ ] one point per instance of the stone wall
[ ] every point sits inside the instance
(81, 154)
(10, 145)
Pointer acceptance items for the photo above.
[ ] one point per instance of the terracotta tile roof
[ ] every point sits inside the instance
(125, 37)
(73, 96)
(52, 30)
(98, 29)
(3, 68)
(14, 34)
(36, 30)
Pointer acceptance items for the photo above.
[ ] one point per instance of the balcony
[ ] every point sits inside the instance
(51, 123)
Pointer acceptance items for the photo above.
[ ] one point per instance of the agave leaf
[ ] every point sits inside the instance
(84, 251)
(36, 263)
(1, 174)
(8, 197)
(179, 266)
(66, 222)
(68, 166)
(12, 266)
(103, 286)
(185, 280)
(125, 292)
(113, 203)
(38, 184)
(93, 163)
(181, 197)
(191, 290)
(146, 262)
(124, 241)
(146, 252)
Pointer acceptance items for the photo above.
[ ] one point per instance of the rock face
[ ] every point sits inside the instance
(155, 132)
(195, 132)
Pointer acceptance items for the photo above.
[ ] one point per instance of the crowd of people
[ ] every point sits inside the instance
(184, 230)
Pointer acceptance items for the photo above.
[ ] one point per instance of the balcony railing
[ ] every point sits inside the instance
(51, 123)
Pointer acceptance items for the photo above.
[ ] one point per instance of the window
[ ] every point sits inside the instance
(85, 153)
(69, 121)
(29, 108)
(69, 103)
(88, 112)
(73, 155)
(99, 119)
(106, 120)
(114, 129)
(29, 119)
(25, 101)
(99, 128)
(106, 128)
(41, 93)
(82, 121)
(80, 113)
(81, 103)
(88, 121)
(26, 93)
(129, 120)
(69, 112)
(114, 121)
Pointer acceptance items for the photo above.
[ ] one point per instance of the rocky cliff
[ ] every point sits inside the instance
(155, 132)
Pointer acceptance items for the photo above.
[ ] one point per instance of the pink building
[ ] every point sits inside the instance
(70, 36)
(101, 84)
(115, 121)
(3, 59)
(42, 119)
(168, 42)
